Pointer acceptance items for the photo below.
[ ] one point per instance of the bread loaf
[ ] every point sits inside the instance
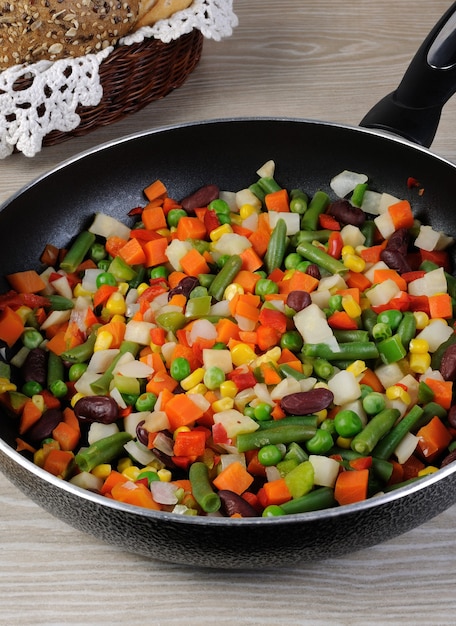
(32, 30)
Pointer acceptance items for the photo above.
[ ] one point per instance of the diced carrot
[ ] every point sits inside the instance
(174, 278)
(250, 260)
(397, 474)
(371, 379)
(117, 329)
(434, 438)
(50, 400)
(240, 230)
(384, 274)
(278, 201)
(103, 293)
(134, 493)
(58, 343)
(28, 281)
(299, 281)
(443, 391)
(182, 411)
(260, 238)
(234, 477)
(248, 336)
(351, 291)
(357, 280)
(340, 320)
(57, 462)
(267, 337)
(69, 417)
(372, 254)
(22, 446)
(154, 218)
(190, 228)
(155, 190)
(159, 381)
(274, 492)
(113, 478)
(193, 263)
(226, 329)
(440, 306)
(29, 416)
(247, 280)
(277, 412)
(158, 336)
(270, 374)
(401, 214)
(190, 443)
(351, 486)
(132, 252)
(155, 252)
(247, 310)
(114, 244)
(11, 326)
(66, 435)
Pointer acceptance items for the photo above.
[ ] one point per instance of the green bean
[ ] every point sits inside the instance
(310, 235)
(405, 483)
(299, 201)
(102, 451)
(349, 336)
(317, 206)
(101, 385)
(268, 184)
(83, 352)
(436, 358)
(280, 434)
(369, 319)
(276, 247)
(31, 338)
(358, 194)
(407, 329)
(55, 369)
(295, 420)
(430, 410)
(257, 191)
(225, 277)
(365, 441)
(386, 446)
(287, 370)
(323, 368)
(77, 251)
(60, 303)
(368, 229)
(346, 352)
(321, 498)
(202, 491)
(382, 468)
(321, 258)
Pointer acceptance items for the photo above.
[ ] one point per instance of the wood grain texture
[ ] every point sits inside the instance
(319, 59)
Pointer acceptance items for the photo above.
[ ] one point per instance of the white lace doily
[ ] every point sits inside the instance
(57, 88)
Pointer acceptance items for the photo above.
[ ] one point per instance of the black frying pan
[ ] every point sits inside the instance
(228, 152)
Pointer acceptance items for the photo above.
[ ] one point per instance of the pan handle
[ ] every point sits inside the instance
(413, 110)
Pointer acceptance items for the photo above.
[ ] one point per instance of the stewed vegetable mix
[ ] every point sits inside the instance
(258, 352)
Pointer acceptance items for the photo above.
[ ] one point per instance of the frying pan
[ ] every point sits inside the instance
(227, 152)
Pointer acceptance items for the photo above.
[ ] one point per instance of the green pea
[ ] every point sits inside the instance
(249, 411)
(262, 412)
(31, 338)
(219, 206)
(392, 318)
(302, 267)
(328, 424)
(291, 340)
(130, 398)
(174, 216)
(219, 346)
(374, 402)
(146, 401)
(97, 252)
(269, 455)
(103, 265)
(335, 303)
(180, 368)
(159, 272)
(214, 377)
(273, 510)
(381, 331)
(58, 389)
(320, 443)
(106, 278)
(365, 390)
(265, 287)
(347, 423)
(292, 260)
(31, 388)
(261, 273)
(76, 371)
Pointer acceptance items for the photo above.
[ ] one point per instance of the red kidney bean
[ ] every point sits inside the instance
(233, 504)
(448, 363)
(451, 417)
(200, 198)
(35, 366)
(345, 213)
(307, 402)
(142, 434)
(42, 429)
(101, 409)
(184, 287)
(394, 254)
(298, 300)
(314, 271)
(448, 459)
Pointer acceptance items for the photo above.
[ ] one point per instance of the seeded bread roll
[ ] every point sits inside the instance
(32, 30)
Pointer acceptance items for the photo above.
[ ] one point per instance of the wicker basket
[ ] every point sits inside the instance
(134, 76)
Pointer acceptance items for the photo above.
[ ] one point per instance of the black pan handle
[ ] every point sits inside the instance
(413, 110)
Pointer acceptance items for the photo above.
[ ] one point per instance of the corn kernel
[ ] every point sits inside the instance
(320, 385)
(181, 429)
(236, 219)
(218, 232)
(23, 312)
(271, 356)
(6, 385)
(200, 388)
(354, 263)
(164, 232)
(123, 464)
(357, 367)
(78, 292)
(347, 250)
(343, 442)
(242, 354)
(193, 379)
(102, 471)
(116, 304)
(396, 392)
(228, 389)
(428, 470)
(288, 274)
(123, 287)
(165, 475)
(420, 363)
(418, 346)
(421, 319)
(39, 457)
(141, 288)
(132, 472)
(351, 307)
(246, 210)
(233, 290)
(38, 401)
(103, 341)
(75, 398)
(224, 404)
(321, 415)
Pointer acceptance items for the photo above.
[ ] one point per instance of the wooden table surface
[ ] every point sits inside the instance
(319, 59)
